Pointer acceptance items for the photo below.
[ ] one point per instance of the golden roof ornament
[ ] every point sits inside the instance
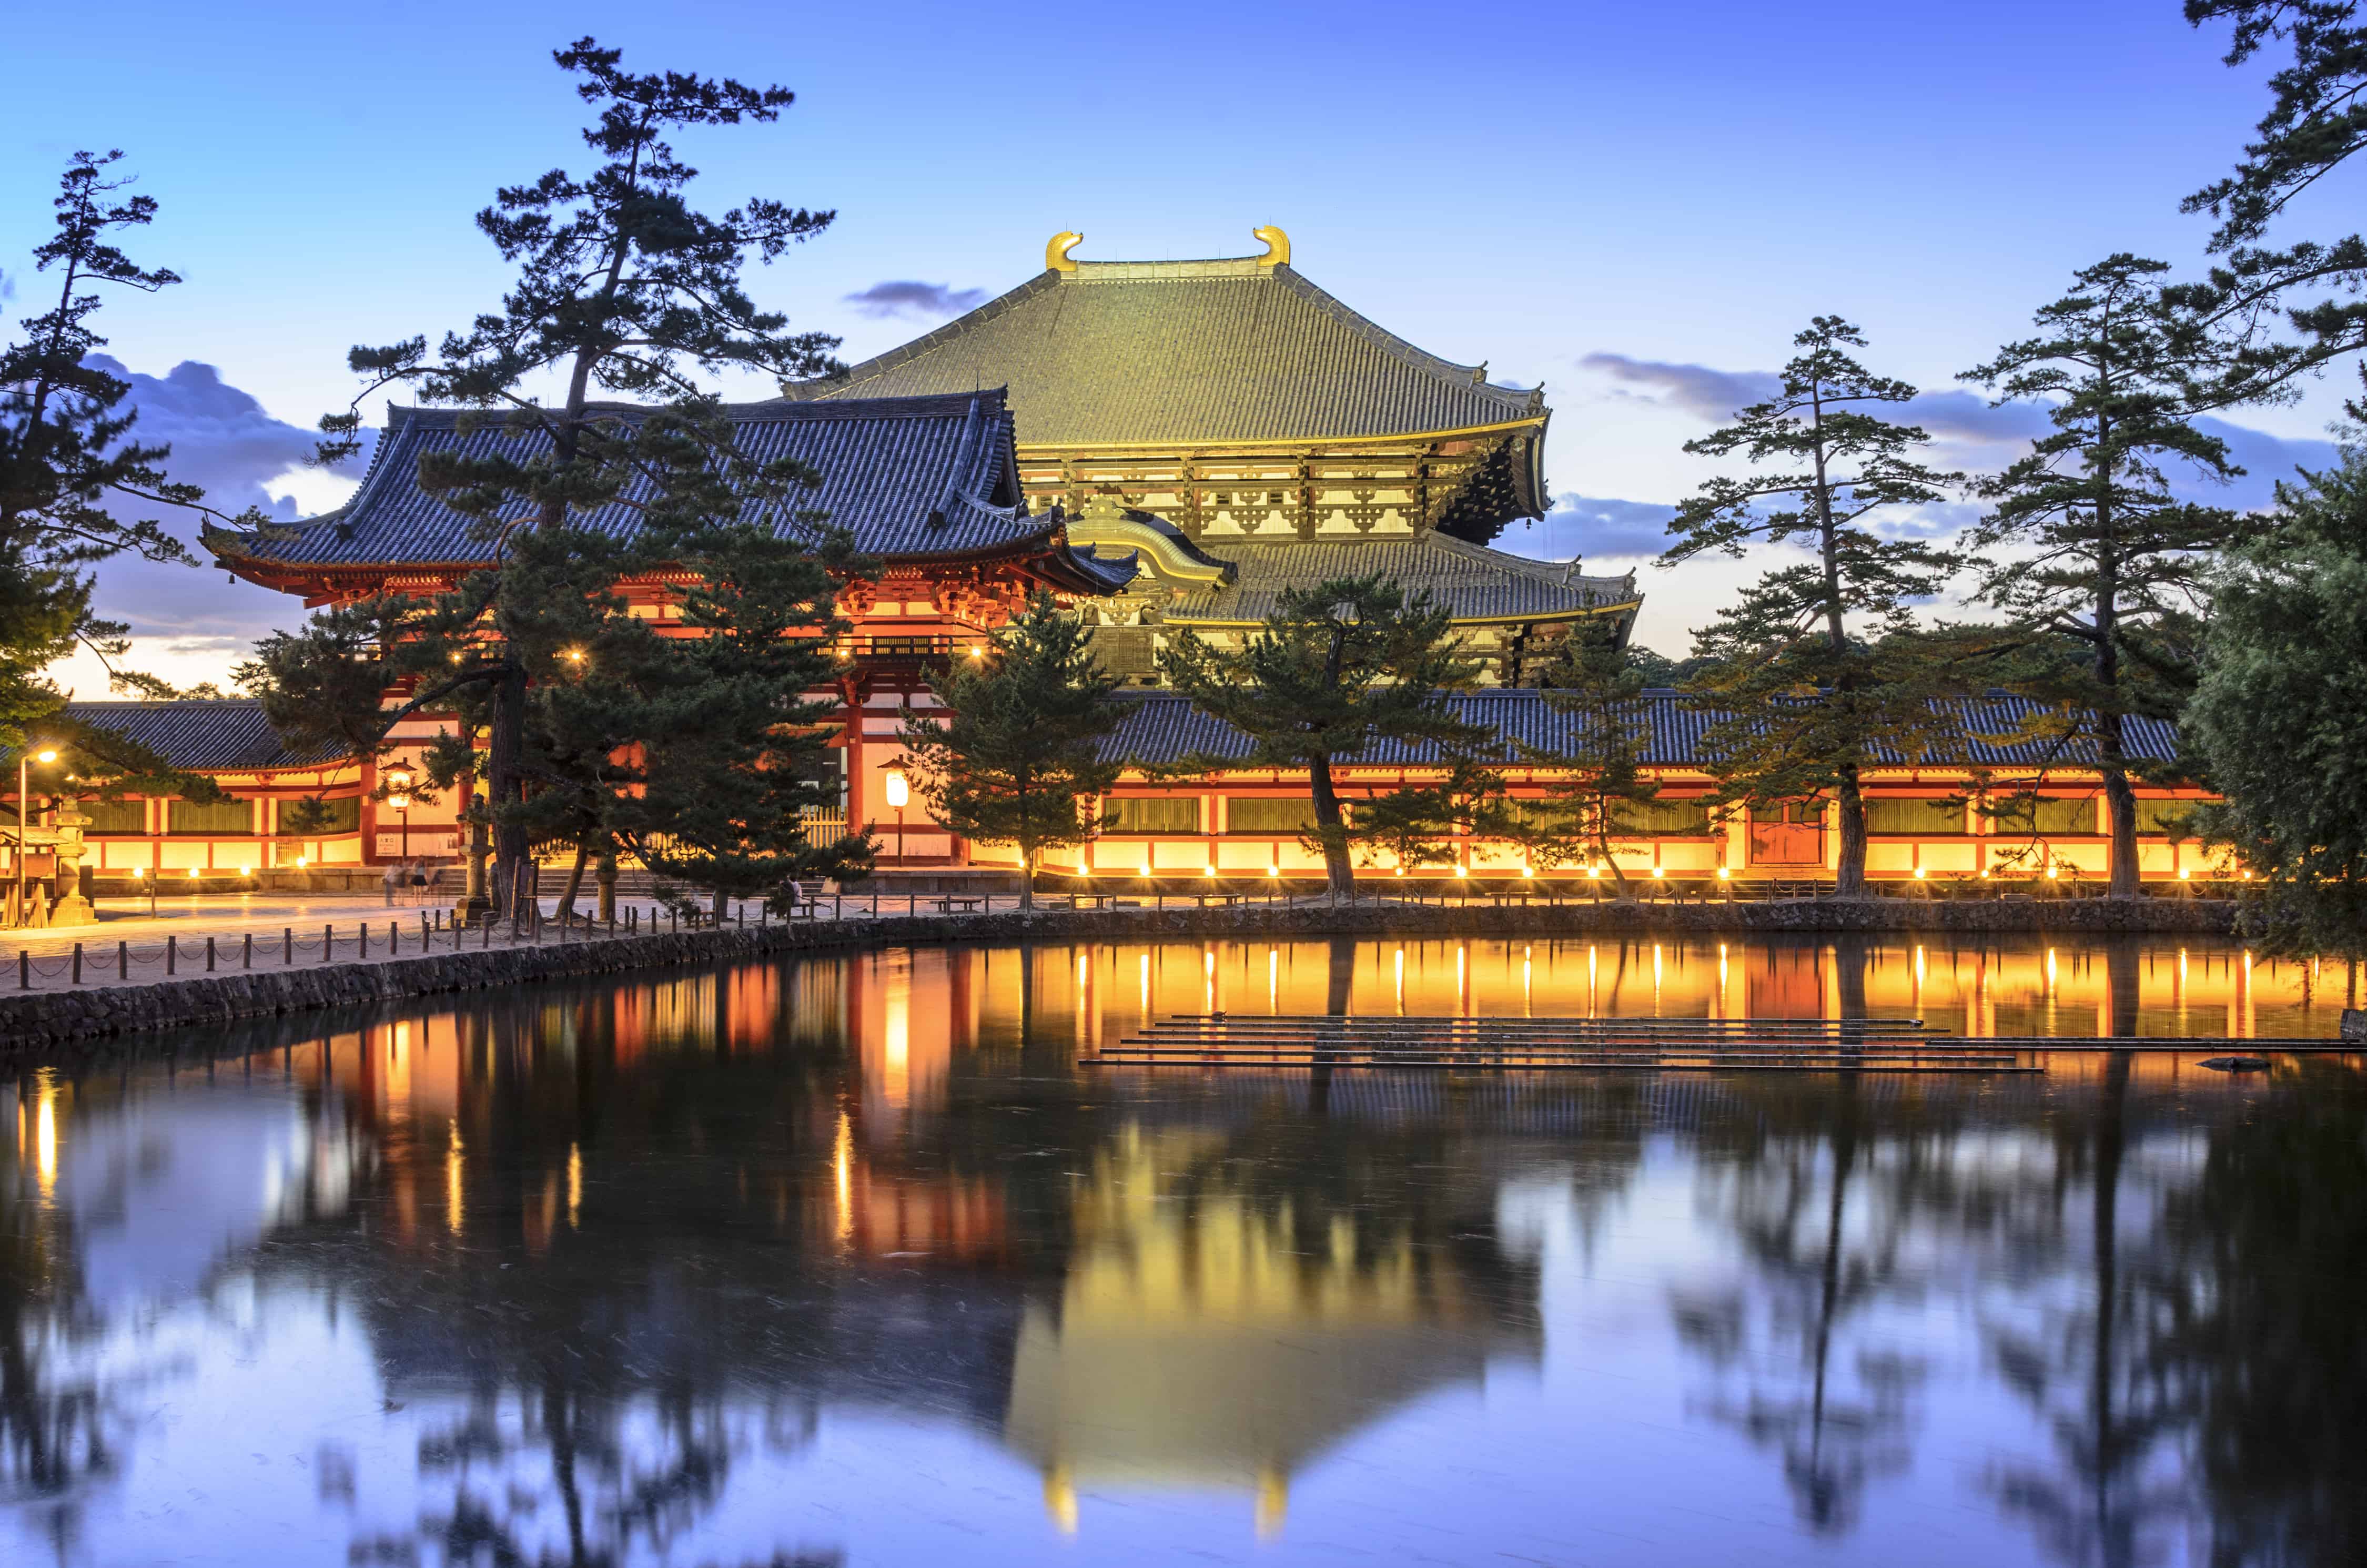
(1057, 249)
(1277, 246)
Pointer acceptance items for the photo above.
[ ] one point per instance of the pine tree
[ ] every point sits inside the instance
(2316, 121)
(2099, 548)
(2276, 715)
(1016, 757)
(1809, 703)
(1338, 667)
(70, 453)
(732, 752)
(1600, 772)
(622, 289)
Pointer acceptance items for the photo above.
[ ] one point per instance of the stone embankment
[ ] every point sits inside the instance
(33, 1020)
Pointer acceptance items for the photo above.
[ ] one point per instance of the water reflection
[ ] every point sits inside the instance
(847, 1258)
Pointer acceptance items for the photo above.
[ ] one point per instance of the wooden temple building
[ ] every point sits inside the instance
(1237, 430)
(1163, 445)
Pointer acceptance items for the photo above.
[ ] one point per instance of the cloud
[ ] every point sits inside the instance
(191, 623)
(1596, 527)
(1709, 395)
(904, 297)
(1967, 432)
(221, 438)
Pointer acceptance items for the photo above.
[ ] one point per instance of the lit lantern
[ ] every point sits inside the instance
(900, 789)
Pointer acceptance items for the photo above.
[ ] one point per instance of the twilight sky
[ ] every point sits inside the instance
(1635, 205)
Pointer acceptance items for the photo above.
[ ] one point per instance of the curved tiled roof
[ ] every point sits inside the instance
(203, 735)
(1473, 582)
(910, 477)
(1188, 352)
(1164, 728)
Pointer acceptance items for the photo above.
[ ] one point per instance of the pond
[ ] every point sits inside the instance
(848, 1260)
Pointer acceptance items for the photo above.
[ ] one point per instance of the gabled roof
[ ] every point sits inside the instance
(217, 735)
(1164, 728)
(1187, 353)
(1473, 582)
(912, 478)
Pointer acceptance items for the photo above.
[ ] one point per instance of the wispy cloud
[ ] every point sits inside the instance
(1696, 389)
(906, 297)
(1968, 432)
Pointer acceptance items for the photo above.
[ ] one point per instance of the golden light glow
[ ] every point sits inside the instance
(842, 1166)
(193, 873)
(1527, 871)
(246, 870)
(1207, 870)
(45, 1140)
(575, 655)
(1919, 873)
(2183, 874)
(2052, 873)
(978, 653)
(45, 757)
(1274, 870)
(1723, 874)
(899, 789)
(452, 1186)
(398, 802)
(137, 872)
(1594, 872)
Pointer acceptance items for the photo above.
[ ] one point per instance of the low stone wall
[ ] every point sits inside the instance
(31, 1021)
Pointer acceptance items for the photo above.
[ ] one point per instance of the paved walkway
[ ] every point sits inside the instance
(128, 945)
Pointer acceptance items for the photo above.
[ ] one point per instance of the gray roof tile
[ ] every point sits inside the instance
(910, 477)
(1473, 582)
(1186, 352)
(1164, 727)
(227, 735)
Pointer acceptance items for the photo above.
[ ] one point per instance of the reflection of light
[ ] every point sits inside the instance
(1273, 1501)
(574, 1182)
(1527, 953)
(2050, 971)
(1061, 1498)
(45, 1140)
(899, 1048)
(1400, 981)
(1146, 987)
(842, 1163)
(1273, 981)
(452, 1171)
(1592, 959)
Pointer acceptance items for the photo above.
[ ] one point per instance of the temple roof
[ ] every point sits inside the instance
(1164, 727)
(203, 735)
(911, 478)
(1471, 581)
(1187, 353)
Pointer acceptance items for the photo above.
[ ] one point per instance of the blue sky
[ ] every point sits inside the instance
(1636, 206)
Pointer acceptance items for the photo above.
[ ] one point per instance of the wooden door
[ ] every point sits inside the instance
(1789, 833)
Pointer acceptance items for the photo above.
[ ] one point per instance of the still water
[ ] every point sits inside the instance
(846, 1261)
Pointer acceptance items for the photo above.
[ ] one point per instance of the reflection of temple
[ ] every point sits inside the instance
(1203, 1340)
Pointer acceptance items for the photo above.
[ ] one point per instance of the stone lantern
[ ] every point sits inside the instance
(72, 908)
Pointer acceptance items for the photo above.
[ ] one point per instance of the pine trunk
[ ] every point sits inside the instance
(1848, 877)
(1339, 874)
(574, 883)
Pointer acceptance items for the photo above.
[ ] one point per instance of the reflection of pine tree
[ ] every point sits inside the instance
(1822, 1262)
(58, 1422)
(2112, 1494)
(2274, 1234)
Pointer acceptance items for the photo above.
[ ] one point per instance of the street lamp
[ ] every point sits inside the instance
(23, 812)
(899, 795)
(398, 782)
